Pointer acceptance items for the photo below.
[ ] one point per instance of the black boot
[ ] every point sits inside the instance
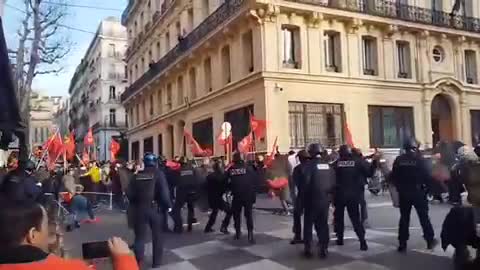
(402, 248)
(339, 241)
(208, 230)
(307, 253)
(251, 240)
(296, 240)
(432, 244)
(224, 230)
(363, 245)
(238, 234)
(322, 252)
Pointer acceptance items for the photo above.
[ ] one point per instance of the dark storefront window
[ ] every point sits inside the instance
(148, 145)
(240, 120)
(135, 151)
(315, 122)
(160, 144)
(475, 119)
(203, 133)
(389, 126)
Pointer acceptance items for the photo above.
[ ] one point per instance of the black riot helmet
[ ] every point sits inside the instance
(303, 156)
(29, 166)
(237, 157)
(345, 151)
(150, 160)
(410, 145)
(315, 149)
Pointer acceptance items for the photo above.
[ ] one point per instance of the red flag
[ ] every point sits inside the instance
(173, 165)
(114, 149)
(194, 146)
(269, 160)
(223, 140)
(246, 143)
(259, 127)
(89, 138)
(54, 147)
(348, 136)
(70, 146)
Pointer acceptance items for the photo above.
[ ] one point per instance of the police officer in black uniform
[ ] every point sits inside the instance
(298, 177)
(319, 180)
(351, 172)
(217, 187)
(21, 185)
(149, 198)
(242, 185)
(410, 175)
(186, 193)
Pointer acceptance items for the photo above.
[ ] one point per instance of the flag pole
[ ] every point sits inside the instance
(46, 150)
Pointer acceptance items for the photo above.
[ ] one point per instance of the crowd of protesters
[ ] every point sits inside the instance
(209, 183)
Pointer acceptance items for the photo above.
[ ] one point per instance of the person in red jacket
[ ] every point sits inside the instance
(24, 242)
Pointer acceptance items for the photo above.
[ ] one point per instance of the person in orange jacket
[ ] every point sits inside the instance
(24, 242)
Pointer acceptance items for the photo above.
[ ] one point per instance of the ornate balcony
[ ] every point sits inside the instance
(212, 22)
(391, 9)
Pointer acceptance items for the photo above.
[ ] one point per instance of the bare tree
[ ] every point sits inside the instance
(41, 45)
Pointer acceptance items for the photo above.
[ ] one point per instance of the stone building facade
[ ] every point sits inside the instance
(96, 87)
(387, 69)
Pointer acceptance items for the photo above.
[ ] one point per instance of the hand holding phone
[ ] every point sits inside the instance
(95, 250)
(118, 247)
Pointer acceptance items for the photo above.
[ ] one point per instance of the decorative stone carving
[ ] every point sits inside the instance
(354, 25)
(314, 19)
(254, 16)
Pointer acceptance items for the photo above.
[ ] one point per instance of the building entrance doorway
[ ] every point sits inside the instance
(442, 120)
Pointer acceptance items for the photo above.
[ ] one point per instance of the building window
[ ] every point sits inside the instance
(150, 57)
(160, 145)
(159, 52)
(206, 8)
(136, 28)
(315, 122)
(332, 50)
(389, 126)
(291, 46)
(112, 118)
(239, 119)
(202, 131)
(180, 92)
(142, 63)
(167, 41)
(471, 67)
(111, 50)
(148, 145)
(137, 114)
(226, 69)
(136, 73)
(160, 101)
(151, 105)
(142, 22)
(404, 64)
(190, 19)
(112, 92)
(144, 111)
(207, 68)
(169, 96)
(135, 151)
(178, 31)
(438, 54)
(475, 122)
(192, 74)
(247, 46)
(370, 55)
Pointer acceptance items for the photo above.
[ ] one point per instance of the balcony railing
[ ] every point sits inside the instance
(391, 9)
(222, 14)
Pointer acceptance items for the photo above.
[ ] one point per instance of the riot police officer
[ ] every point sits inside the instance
(351, 173)
(319, 181)
(410, 175)
(149, 198)
(21, 185)
(186, 193)
(217, 187)
(298, 177)
(242, 185)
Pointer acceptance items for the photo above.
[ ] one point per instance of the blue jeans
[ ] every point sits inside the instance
(80, 206)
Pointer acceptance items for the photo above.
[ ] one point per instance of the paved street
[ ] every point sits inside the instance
(215, 251)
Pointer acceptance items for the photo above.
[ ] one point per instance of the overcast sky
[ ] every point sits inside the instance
(81, 18)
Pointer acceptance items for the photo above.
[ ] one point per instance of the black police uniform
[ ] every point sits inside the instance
(186, 192)
(298, 177)
(410, 176)
(217, 187)
(242, 185)
(319, 181)
(351, 173)
(149, 198)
